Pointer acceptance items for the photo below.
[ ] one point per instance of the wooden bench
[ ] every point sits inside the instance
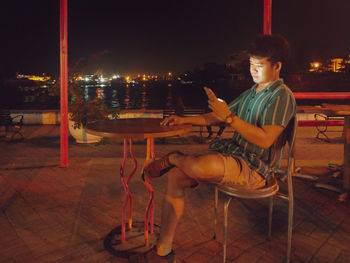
(326, 121)
(12, 124)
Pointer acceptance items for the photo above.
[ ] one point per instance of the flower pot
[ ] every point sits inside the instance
(80, 135)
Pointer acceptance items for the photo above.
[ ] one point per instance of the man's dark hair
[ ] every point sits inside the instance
(273, 47)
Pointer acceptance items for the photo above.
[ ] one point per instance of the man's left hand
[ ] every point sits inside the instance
(219, 108)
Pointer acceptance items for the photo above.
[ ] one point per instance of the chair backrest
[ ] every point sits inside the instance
(288, 136)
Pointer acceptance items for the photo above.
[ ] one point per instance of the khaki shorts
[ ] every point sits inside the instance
(237, 172)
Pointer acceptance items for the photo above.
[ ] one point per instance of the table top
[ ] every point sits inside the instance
(337, 109)
(311, 109)
(135, 128)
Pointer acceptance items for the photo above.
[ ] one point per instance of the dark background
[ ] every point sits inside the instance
(159, 36)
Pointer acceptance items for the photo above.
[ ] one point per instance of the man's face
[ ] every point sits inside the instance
(263, 71)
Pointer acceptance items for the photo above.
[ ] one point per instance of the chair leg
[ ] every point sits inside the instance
(290, 213)
(290, 228)
(215, 209)
(227, 203)
(270, 215)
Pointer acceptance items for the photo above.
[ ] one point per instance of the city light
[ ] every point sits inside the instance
(34, 77)
(315, 66)
(331, 65)
(115, 76)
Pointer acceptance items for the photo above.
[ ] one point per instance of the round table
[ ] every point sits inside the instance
(128, 129)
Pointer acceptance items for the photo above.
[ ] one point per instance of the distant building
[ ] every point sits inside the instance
(334, 65)
(34, 77)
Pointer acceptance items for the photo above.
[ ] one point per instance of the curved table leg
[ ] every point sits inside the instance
(129, 178)
(128, 197)
(153, 156)
(149, 218)
(147, 183)
(136, 239)
(126, 188)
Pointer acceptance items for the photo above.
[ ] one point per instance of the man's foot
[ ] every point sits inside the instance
(159, 167)
(152, 257)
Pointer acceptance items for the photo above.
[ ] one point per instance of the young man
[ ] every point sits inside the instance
(258, 116)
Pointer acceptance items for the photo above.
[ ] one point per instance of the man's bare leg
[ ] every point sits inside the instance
(172, 209)
(202, 168)
(188, 172)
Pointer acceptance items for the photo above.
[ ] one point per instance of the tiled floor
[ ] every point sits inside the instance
(53, 214)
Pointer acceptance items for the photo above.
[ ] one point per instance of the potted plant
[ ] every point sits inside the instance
(83, 112)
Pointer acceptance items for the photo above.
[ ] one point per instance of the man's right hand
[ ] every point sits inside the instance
(172, 120)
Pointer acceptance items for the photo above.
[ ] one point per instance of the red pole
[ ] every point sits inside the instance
(64, 83)
(267, 17)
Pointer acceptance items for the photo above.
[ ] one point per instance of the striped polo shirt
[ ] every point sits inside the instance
(274, 105)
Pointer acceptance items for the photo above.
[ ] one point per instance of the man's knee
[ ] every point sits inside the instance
(207, 167)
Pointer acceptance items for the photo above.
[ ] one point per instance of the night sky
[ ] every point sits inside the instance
(159, 36)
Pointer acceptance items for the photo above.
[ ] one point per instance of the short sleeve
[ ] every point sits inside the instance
(280, 109)
(234, 105)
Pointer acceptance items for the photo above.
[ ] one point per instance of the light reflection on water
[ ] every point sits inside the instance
(150, 95)
(132, 96)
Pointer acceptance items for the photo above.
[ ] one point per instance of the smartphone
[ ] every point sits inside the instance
(211, 94)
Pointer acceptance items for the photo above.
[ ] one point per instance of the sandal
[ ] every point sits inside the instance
(159, 167)
(152, 257)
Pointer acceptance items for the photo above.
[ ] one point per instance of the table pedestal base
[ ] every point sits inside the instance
(134, 240)
(338, 171)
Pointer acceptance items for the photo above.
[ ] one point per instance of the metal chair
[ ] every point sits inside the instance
(11, 124)
(270, 190)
